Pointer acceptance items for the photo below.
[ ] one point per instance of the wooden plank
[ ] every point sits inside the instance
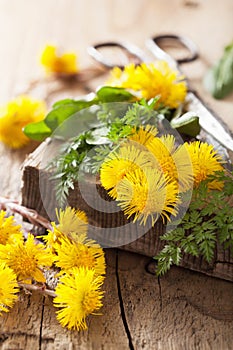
(25, 27)
(31, 324)
(20, 328)
(182, 310)
(104, 331)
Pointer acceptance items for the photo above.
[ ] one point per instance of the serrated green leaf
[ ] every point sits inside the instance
(98, 137)
(174, 235)
(208, 210)
(208, 226)
(189, 245)
(207, 249)
(189, 225)
(195, 217)
(169, 255)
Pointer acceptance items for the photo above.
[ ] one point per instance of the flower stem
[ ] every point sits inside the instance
(41, 289)
(25, 212)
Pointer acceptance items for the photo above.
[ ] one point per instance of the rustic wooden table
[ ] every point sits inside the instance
(183, 310)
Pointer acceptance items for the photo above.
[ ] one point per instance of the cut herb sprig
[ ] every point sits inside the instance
(208, 221)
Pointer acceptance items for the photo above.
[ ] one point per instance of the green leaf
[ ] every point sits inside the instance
(195, 217)
(189, 225)
(114, 94)
(207, 248)
(66, 101)
(149, 104)
(89, 98)
(187, 124)
(189, 245)
(63, 111)
(169, 255)
(219, 78)
(173, 235)
(37, 131)
(98, 137)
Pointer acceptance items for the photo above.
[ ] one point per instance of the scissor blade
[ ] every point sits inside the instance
(209, 122)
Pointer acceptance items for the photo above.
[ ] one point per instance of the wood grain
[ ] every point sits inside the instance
(184, 310)
(105, 330)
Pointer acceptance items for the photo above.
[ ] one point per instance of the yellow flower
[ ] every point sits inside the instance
(65, 63)
(73, 254)
(26, 259)
(151, 80)
(144, 135)
(70, 244)
(56, 236)
(147, 195)
(15, 115)
(119, 163)
(78, 295)
(206, 162)
(8, 288)
(9, 231)
(72, 223)
(174, 162)
(52, 237)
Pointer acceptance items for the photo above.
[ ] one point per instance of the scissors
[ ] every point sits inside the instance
(207, 119)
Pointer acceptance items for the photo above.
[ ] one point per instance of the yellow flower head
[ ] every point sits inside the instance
(78, 295)
(15, 115)
(9, 231)
(172, 161)
(151, 80)
(26, 259)
(73, 254)
(72, 223)
(144, 135)
(206, 162)
(147, 195)
(65, 63)
(8, 288)
(119, 163)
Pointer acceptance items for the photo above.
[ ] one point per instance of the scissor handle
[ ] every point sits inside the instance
(154, 45)
(128, 48)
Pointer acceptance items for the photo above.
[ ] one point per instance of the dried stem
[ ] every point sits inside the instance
(82, 78)
(40, 289)
(29, 214)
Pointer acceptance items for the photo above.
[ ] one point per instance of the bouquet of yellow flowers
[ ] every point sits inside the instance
(74, 263)
(136, 141)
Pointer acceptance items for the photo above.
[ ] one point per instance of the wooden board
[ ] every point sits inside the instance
(183, 308)
(196, 310)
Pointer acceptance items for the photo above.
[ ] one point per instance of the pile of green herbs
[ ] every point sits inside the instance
(209, 219)
(102, 122)
(207, 223)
